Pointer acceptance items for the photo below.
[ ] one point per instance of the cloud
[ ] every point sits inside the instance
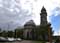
(15, 14)
(20, 11)
(51, 7)
(56, 11)
(57, 33)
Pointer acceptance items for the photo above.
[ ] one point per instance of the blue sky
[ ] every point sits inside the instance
(55, 20)
(21, 11)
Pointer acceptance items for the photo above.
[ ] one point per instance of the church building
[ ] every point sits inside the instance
(43, 32)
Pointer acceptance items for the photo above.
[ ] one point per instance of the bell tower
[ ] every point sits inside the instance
(43, 15)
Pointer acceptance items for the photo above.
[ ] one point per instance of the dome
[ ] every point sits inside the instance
(30, 23)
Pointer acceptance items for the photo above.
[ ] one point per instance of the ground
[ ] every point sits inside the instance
(24, 41)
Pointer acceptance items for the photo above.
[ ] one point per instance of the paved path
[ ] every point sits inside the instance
(24, 41)
(28, 41)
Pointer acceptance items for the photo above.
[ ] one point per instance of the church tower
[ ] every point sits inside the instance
(43, 15)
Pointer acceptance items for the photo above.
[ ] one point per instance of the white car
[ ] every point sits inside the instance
(11, 39)
(18, 39)
(14, 39)
(2, 39)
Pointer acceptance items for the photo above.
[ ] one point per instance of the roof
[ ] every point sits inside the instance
(30, 23)
(43, 9)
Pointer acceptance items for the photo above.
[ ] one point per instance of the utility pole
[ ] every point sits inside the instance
(8, 30)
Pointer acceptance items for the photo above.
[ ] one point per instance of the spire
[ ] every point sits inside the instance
(43, 9)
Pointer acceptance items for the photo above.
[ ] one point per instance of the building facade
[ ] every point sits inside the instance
(44, 31)
(28, 28)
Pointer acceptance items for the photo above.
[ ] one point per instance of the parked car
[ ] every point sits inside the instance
(2, 39)
(18, 39)
(11, 39)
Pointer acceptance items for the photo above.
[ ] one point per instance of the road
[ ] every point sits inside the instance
(24, 41)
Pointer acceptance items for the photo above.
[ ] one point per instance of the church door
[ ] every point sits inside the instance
(27, 35)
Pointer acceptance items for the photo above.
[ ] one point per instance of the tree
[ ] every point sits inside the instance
(18, 33)
(4, 33)
(0, 32)
(10, 33)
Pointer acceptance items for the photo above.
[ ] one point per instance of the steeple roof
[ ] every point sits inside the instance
(43, 9)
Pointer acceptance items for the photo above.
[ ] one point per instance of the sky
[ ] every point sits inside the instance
(15, 13)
